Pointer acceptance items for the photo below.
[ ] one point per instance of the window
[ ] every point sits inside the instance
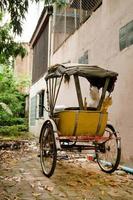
(40, 56)
(41, 103)
(126, 35)
(90, 5)
(69, 18)
(83, 59)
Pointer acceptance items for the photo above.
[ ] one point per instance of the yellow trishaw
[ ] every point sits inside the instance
(81, 127)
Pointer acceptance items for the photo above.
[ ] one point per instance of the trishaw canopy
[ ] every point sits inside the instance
(94, 74)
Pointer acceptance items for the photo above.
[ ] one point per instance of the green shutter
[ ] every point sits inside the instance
(83, 59)
(126, 35)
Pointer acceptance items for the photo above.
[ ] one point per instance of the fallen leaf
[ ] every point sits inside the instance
(17, 179)
(71, 184)
(21, 170)
(16, 198)
(39, 183)
(32, 185)
(49, 188)
(130, 177)
(36, 194)
(40, 188)
(62, 195)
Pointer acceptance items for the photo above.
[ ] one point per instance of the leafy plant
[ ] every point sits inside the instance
(9, 49)
(10, 96)
(18, 8)
(14, 130)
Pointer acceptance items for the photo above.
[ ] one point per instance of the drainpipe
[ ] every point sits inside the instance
(49, 40)
(91, 157)
(123, 168)
(126, 169)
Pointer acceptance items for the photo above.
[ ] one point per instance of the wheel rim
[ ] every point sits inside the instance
(47, 151)
(107, 154)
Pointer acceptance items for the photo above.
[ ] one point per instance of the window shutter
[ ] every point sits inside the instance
(126, 36)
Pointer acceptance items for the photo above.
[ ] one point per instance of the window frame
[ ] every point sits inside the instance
(41, 96)
(125, 34)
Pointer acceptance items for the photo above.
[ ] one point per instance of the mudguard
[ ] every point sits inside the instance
(55, 131)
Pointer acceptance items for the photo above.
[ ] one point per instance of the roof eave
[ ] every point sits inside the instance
(47, 11)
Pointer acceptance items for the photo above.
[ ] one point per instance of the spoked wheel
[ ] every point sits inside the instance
(48, 152)
(109, 152)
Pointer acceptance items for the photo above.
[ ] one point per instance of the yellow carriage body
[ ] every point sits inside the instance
(81, 123)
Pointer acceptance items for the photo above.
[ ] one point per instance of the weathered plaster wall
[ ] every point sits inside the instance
(100, 36)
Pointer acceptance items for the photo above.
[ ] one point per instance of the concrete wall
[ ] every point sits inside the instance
(100, 36)
(23, 67)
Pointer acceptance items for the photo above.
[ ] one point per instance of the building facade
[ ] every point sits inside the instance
(98, 34)
(40, 45)
(23, 67)
(22, 72)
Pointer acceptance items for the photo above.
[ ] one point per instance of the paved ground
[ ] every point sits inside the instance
(21, 179)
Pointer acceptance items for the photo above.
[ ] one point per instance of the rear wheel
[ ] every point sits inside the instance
(48, 152)
(109, 152)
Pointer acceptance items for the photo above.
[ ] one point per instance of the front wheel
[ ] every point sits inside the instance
(48, 151)
(109, 151)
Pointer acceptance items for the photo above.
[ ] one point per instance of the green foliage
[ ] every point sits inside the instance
(12, 98)
(18, 8)
(58, 2)
(14, 130)
(23, 82)
(9, 49)
(10, 121)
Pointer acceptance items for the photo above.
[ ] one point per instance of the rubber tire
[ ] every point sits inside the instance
(52, 169)
(115, 166)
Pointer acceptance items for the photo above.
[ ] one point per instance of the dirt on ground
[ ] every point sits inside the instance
(21, 178)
